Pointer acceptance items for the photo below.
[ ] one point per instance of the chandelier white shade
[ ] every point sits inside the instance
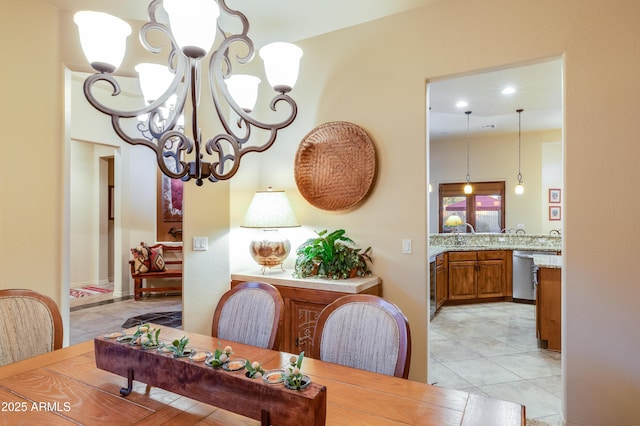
(281, 64)
(244, 90)
(154, 80)
(103, 38)
(193, 24)
(192, 30)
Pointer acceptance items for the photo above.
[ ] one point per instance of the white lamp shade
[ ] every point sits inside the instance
(468, 189)
(193, 24)
(519, 189)
(154, 80)
(281, 64)
(103, 38)
(244, 90)
(270, 209)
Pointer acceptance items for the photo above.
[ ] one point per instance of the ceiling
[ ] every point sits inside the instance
(538, 91)
(538, 86)
(273, 20)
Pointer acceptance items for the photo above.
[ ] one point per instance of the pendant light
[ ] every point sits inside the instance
(519, 187)
(468, 189)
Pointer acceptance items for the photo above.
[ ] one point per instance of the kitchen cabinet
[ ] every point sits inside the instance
(478, 275)
(441, 280)
(303, 301)
(549, 308)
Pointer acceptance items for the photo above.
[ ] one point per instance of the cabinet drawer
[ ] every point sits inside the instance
(455, 256)
(440, 260)
(492, 255)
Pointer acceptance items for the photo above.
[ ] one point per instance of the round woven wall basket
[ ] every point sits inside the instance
(335, 165)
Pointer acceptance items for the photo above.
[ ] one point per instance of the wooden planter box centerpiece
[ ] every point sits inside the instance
(232, 391)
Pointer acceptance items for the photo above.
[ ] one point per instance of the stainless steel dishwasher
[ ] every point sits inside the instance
(524, 275)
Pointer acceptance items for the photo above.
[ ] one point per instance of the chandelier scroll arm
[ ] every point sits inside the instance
(243, 19)
(165, 149)
(216, 169)
(220, 67)
(152, 9)
(157, 124)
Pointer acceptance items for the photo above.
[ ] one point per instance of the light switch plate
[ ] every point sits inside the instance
(200, 243)
(406, 246)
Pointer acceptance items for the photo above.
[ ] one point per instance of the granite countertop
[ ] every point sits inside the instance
(441, 243)
(547, 261)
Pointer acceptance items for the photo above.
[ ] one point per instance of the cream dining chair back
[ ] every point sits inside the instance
(30, 325)
(250, 313)
(366, 332)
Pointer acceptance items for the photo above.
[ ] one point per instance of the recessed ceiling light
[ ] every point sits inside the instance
(508, 90)
(462, 104)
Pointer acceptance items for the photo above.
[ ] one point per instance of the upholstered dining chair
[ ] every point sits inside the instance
(366, 332)
(250, 313)
(30, 325)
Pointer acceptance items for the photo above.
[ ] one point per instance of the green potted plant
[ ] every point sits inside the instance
(331, 255)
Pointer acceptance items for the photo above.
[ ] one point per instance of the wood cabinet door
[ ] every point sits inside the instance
(491, 281)
(550, 303)
(462, 280)
(303, 317)
(441, 285)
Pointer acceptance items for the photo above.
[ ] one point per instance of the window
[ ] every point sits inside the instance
(484, 209)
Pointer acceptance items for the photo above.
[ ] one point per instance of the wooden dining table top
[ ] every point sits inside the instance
(65, 387)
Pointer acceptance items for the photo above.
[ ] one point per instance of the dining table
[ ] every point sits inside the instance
(66, 387)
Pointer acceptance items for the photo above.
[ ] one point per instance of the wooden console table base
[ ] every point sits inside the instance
(232, 391)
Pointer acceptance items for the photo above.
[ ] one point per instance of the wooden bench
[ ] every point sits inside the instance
(173, 270)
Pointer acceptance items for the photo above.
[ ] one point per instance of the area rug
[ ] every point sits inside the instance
(169, 319)
(89, 290)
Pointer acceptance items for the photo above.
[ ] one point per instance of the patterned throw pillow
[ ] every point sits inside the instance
(147, 259)
(156, 260)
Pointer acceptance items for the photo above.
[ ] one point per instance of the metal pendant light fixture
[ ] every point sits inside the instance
(519, 187)
(191, 31)
(468, 189)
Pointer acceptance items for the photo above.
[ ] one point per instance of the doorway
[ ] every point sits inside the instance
(92, 231)
(497, 147)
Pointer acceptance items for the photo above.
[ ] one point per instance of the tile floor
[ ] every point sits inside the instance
(491, 349)
(98, 315)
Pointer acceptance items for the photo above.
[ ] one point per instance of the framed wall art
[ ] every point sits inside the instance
(554, 195)
(555, 213)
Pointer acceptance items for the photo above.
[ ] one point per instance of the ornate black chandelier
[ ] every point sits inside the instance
(192, 29)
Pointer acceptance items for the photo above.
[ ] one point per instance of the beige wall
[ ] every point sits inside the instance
(374, 75)
(31, 175)
(495, 158)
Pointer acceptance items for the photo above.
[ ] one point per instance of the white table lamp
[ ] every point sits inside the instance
(270, 210)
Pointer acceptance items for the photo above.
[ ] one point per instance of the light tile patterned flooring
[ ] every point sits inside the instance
(99, 315)
(491, 349)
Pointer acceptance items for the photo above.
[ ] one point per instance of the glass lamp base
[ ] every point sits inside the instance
(270, 251)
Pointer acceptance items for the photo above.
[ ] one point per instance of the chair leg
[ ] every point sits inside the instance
(137, 288)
